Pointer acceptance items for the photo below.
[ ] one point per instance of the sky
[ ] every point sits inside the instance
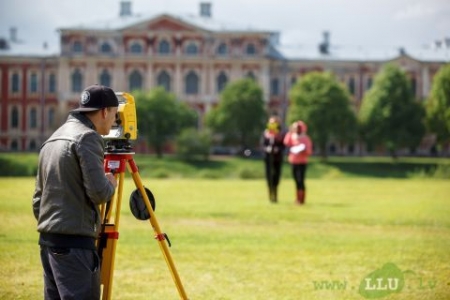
(367, 23)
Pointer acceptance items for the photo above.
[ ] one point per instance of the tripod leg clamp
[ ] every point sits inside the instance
(161, 237)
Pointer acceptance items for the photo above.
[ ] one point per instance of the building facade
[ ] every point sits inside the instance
(193, 57)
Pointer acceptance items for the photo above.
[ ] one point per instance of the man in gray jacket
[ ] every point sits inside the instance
(70, 185)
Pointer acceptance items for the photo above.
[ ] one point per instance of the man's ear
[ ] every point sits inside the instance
(104, 112)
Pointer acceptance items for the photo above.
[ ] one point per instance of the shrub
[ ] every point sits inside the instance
(193, 144)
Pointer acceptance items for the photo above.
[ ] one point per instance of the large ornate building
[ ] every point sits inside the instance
(193, 57)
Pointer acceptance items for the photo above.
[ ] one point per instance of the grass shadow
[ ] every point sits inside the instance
(383, 169)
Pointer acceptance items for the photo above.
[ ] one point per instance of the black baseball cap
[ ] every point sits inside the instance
(96, 97)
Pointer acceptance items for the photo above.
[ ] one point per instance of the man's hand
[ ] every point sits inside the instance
(111, 179)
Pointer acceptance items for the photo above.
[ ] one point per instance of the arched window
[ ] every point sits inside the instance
(52, 83)
(105, 78)
(251, 75)
(15, 83)
(14, 145)
(222, 49)
(77, 81)
(51, 117)
(294, 80)
(250, 49)
(222, 80)
(105, 48)
(33, 83)
(332, 149)
(191, 49)
(77, 47)
(33, 118)
(15, 117)
(191, 82)
(369, 83)
(32, 146)
(136, 48)
(164, 47)
(135, 81)
(351, 86)
(164, 80)
(274, 87)
(413, 86)
(351, 149)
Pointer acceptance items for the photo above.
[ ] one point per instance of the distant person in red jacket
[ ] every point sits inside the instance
(300, 148)
(273, 146)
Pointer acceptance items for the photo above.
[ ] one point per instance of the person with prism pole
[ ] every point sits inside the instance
(300, 148)
(273, 146)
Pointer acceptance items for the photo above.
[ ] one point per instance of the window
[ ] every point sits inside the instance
(369, 83)
(250, 49)
(33, 83)
(15, 83)
(136, 48)
(221, 81)
(351, 86)
(274, 87)
(14, 145)
(15, 117)
(32, 146)
(51, 117)
(351, 149)
(105, 48)
(77, 81)
(77, 47)
(52, 83)
(33, 118)
(332, 149)
(251, 76)
(191, 82)
(105, 78)
(413, 86)
(164, 80)
(191, 49)
(135, 81)
(222, 49)
(164, 47)
(293, 80)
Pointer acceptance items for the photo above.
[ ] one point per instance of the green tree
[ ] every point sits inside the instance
(161, 117)
(240, 115)
(323, 103)
(390, 115)
(438, 106)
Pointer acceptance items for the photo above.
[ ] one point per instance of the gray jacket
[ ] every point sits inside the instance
(71, 181)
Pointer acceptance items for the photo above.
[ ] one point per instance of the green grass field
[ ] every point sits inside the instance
(229, 242)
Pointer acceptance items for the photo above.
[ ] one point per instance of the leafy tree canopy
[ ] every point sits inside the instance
(240, 116)
(390, 115)
(323, 103)
(438, 106)
(161, 117)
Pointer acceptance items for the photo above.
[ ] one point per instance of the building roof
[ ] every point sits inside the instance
(205, 23)
(363, 54)
(28, 49)
(438, 53)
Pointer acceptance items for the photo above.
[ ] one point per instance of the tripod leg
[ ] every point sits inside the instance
(109, 236)
(160, 237)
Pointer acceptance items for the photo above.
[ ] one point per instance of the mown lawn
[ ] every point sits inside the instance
(229, 242)
(231, 167)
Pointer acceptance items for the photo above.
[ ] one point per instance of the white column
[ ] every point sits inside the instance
(178, 81)
(149, 80)
(425, 81)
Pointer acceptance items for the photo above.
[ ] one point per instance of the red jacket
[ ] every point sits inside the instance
(294, 139)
